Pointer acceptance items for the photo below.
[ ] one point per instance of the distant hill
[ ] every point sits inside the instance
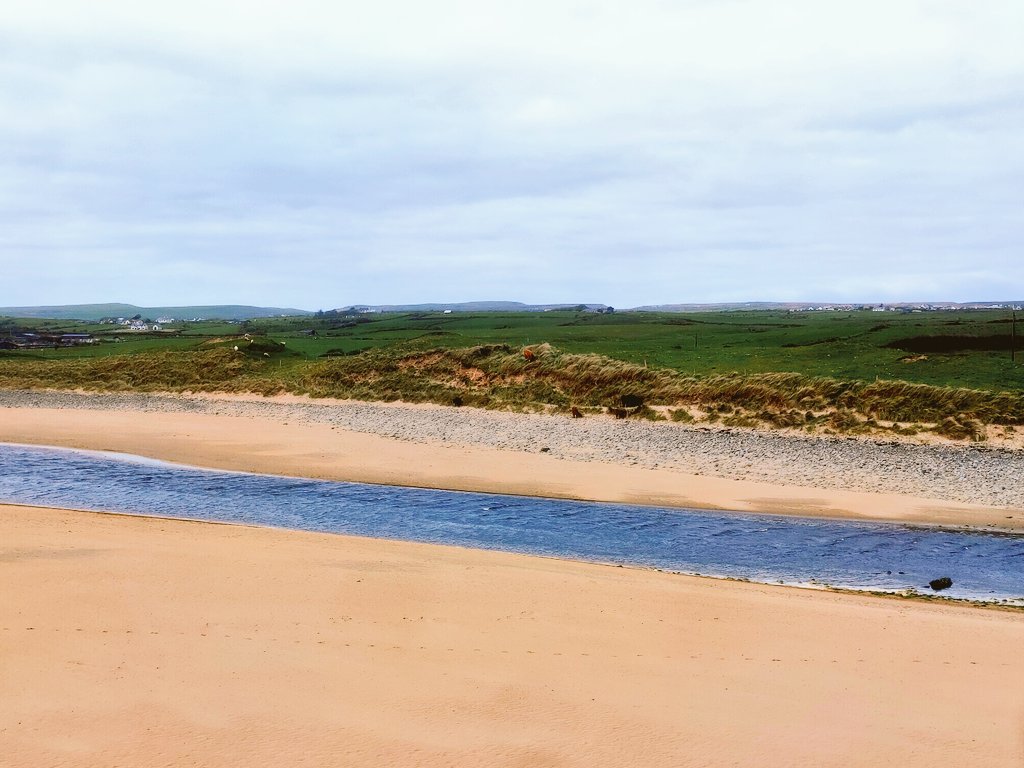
(722, 307)
(738, 306)
(811, 305)
(244, 312)
(96, 311)
(469, 306)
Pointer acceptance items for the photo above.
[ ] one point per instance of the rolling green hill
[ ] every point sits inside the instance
(97, 311)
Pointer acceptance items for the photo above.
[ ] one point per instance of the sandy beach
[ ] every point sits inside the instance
(538, 455)
(154, 642)
(151, 642)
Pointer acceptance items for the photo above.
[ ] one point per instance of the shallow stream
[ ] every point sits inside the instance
(763, 548)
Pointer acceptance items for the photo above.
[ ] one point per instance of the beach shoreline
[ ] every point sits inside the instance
(911, 595)
(464, 449)
(151, 641)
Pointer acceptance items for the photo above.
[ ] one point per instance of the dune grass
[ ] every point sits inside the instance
(502, 376)
(208, 371)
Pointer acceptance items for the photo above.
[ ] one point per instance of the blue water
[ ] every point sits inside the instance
(770, 549)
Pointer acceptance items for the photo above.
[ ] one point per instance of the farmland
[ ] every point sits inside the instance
(930, 362)
(967, 349)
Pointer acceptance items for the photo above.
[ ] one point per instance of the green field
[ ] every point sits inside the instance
(968, 349)
(841, 345)
(973, 348)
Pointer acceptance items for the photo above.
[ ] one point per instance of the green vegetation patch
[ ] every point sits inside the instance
(956, 343)
(848, 372)
(502, 376)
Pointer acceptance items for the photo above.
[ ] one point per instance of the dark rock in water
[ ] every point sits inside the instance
(939, 584)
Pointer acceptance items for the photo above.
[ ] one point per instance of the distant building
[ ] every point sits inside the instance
(74, 339)
(46, 340)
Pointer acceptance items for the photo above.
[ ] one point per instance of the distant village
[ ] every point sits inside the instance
(22, 339)
(136, 323)
(924, 307)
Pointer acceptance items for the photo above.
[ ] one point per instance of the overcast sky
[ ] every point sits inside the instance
(319, 154)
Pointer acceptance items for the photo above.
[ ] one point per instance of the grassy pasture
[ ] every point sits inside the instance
(778, 368)
(848, 345)
(841, 345)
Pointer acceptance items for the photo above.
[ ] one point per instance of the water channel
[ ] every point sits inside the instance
(764, 548)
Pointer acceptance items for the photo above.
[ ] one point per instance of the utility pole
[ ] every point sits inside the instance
(1013, 337)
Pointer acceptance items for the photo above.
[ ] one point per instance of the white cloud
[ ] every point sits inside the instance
(403, 151)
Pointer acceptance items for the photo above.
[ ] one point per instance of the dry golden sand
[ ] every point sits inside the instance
(149, 642)
(318, 450)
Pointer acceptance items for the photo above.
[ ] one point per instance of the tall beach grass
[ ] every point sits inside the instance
(502, 376)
